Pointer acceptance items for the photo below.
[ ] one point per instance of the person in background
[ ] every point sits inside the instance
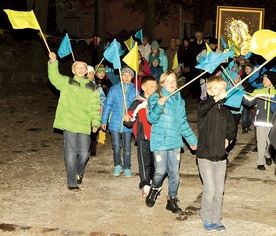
(247, 112)
(261, 98)
(104, 85)
(145, 48)
(195, 48)
(144, 70)
(155, 69)
(216, 129)
(206, 38)
(167, 115)
(77, 113)
(159, 52)
(170, 53)
(137, 118)
(118, 100)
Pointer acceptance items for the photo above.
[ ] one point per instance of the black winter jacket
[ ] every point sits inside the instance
(215, 124)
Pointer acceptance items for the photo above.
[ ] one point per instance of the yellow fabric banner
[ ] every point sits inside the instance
(131, 59)
(263, 43)
(175, 61)
(129, 43)
(22, 19)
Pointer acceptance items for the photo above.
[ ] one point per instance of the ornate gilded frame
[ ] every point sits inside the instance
(251, 18)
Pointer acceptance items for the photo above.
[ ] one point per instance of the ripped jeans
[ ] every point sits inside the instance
(167, 163)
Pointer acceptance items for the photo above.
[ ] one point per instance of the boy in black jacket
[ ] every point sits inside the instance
(216, 129)
(137, 118)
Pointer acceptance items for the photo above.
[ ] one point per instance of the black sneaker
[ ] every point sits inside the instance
(172, 205)
(152, 196)
(268, 161)
(74, 189)
(261, 167)
(79, 179)
(245, 131)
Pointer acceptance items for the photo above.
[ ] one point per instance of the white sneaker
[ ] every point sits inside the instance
(145, 191)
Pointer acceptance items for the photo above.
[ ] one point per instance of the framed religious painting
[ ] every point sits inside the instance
(236, 25)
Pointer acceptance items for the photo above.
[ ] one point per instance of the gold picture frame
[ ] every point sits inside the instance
(238, 24)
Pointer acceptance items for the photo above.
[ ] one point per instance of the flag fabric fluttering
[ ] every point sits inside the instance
(65, 47)
(113, 53)
(263, 43)
(22, 19)
(249, 54)
(175, 61)
(234, 98)
(223, 43)
(129, 43)
(131, 59)
(139, 35)
(235, 47)
(213, 60)
(201, 58)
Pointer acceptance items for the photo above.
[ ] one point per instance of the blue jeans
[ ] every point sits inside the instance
(167, 163)
(76, 155)
(213, 176)
(116, 139)
(247, 116)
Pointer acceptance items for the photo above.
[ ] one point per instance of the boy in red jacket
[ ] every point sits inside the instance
(137, 118)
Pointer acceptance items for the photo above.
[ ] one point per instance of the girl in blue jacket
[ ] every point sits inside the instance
(167, 115)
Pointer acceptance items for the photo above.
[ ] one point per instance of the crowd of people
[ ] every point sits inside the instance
(153, 110)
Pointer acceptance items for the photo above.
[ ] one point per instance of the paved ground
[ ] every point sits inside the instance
(35, 200)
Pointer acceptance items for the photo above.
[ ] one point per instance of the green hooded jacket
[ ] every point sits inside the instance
(79, 103)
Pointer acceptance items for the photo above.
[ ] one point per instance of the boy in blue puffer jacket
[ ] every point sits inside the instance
(113, 115)
(167, 115)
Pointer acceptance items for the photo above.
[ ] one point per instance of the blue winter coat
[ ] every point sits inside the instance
(114, 108)
(169, 123)
(162, 57)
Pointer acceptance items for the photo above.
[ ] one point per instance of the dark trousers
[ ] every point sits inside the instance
(145, 162)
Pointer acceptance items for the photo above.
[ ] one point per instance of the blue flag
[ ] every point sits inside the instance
(234, 98)
(65, 47)
(212, 61)
(113, 53)
(222, 42)
(139, 35)
(249, 54)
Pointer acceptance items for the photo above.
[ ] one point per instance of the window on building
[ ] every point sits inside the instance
(188, 29)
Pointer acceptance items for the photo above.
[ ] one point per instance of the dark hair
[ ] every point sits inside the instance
(185, 38)
(147, 78)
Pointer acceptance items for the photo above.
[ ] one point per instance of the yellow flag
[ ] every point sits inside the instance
(236, 49)
(131, 59)
(22, 19)
(175, 61)
(129, 43)
(208, 49)
(263, 43)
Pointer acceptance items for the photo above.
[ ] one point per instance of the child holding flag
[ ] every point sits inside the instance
(78, 110)
(216, 129)
(167, 115)
(113, 115)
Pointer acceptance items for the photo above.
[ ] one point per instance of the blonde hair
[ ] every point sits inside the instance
(80, 62)
(215, 80)
(163, 77)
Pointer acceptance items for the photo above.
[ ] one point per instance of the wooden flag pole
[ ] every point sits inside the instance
(42, 35)
(247, 76)
(123, 91)
(188, 83)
